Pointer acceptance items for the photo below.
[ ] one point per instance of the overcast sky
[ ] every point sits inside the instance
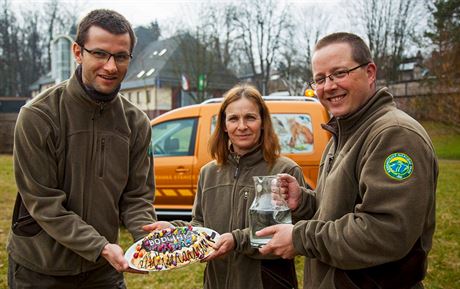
(141, 12)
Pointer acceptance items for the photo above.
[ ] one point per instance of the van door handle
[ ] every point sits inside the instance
(182, 170)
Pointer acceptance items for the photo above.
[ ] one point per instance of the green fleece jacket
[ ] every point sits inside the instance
(81, 169)
(222, 203)
(375, 198)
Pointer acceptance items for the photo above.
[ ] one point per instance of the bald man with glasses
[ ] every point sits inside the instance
(370, 221)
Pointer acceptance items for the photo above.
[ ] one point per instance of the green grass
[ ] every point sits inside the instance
(444, 259)
(446, 140)
(444, 266)
(7, 195)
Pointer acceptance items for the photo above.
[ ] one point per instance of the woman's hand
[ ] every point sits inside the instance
(225, 244)
(157, 226)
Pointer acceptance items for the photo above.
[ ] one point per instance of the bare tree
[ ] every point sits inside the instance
(262, 27)
(206, 52)
(217, 29)
(25, 36)
(202, 65)
(31, 50)
(8, 54)
(390, 27)
(51, 12)
(295, 62)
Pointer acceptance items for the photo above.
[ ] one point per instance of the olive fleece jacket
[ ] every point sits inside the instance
(224, 196)
(371, 205)
(82, 168)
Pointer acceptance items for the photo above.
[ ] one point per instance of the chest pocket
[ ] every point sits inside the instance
(101, 156)
(112, 158)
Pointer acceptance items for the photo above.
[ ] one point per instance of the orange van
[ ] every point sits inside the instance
(180, 145)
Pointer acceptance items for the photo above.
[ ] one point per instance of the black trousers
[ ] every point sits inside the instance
(279, 274)
(106, 277)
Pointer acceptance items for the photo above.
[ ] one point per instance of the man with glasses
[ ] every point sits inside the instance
(82, 169)
(371, 219)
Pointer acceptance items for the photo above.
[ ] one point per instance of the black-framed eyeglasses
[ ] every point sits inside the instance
(336, 77)
(104, 56)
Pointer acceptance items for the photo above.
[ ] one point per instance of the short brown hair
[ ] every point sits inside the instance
(109, 20)
(360, 50)
(219, 142)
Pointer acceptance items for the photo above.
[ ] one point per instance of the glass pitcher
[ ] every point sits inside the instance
(267, 209)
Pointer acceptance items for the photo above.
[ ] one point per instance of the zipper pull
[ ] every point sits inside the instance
(236, 172)
(237, 159)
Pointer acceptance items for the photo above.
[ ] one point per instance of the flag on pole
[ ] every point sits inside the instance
(202, 82)
(184, 82)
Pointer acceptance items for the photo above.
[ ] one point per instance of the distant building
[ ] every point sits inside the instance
(44, 82)
(62, 65)
(412, 68)
(155, 76)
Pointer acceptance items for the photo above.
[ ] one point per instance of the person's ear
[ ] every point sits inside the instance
(77, 52)
(371, 71)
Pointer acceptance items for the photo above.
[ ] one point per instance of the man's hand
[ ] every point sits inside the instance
(281, 243)
(290, 190)
(157, 226)
(224, 245)
(115, 256)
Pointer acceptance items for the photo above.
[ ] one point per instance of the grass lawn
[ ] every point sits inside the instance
(444, 259)
(446, 140)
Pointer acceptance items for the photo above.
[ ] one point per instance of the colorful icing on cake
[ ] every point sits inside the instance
(171, 248)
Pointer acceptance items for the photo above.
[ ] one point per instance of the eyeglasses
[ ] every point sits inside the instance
(336, 77)
(104, 56)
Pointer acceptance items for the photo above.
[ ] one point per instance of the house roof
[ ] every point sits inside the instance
(44, 79)
(407, 66)
(146, 66)
(165, 60)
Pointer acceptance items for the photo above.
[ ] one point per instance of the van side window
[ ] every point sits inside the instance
(294, 131)
(174, 138)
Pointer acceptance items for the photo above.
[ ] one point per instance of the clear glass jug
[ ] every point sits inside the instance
(267, 209)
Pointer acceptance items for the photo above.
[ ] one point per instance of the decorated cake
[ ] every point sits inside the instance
(171, 248)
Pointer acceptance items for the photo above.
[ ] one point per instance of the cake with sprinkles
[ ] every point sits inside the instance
(171, 248)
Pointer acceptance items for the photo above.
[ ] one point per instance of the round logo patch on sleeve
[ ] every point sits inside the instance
(398, 166)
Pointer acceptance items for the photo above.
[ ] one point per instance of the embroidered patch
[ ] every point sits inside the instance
(398, 166)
